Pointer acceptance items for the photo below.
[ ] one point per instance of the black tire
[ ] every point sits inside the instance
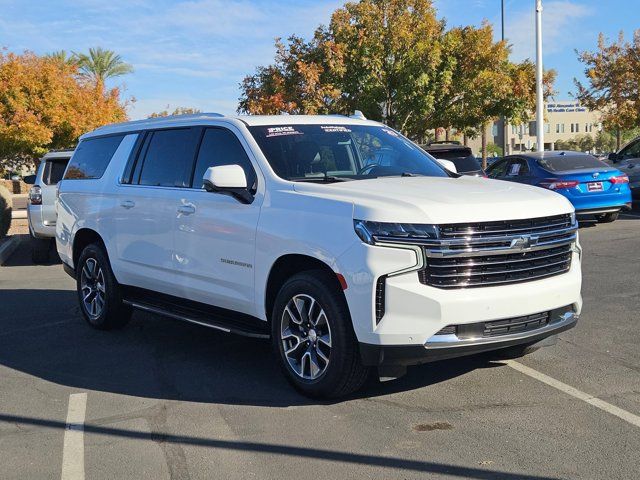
(40, 249)
(344, 372)
(607, 217)
(113, 313)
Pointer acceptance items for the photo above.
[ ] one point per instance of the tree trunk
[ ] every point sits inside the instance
(447, 134)
(465, 139)
(483, 129)
(618, 139)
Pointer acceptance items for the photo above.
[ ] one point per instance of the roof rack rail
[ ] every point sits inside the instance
(146, 121)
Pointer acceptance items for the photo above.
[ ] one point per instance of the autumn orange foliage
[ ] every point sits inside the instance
(45, 104)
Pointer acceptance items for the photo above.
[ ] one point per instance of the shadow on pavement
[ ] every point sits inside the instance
(43, 334)
(285, 451)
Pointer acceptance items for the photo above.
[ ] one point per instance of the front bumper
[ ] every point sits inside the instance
(442, 347)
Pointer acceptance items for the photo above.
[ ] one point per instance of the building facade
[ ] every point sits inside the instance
(564, 120)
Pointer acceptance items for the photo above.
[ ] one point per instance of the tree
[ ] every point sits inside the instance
(101, 64)
(176, 111)
(299, 81)
(613, 83)
(63, 57)
(45, 105)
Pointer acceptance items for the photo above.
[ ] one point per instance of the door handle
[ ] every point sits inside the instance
(128, 204)
(187, 209)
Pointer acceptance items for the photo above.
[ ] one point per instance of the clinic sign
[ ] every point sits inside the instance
(565, 107)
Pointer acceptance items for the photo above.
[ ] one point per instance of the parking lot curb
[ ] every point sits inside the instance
(8, 247)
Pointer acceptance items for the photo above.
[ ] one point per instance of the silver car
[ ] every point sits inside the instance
(628, 160)
(41, 210)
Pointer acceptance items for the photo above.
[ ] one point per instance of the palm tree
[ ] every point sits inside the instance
(101, 64)
(62, 57)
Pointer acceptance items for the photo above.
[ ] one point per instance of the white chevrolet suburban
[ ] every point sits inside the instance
(336, 237)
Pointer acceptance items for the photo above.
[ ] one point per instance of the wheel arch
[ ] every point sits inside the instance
(82, 238)
(288, 265)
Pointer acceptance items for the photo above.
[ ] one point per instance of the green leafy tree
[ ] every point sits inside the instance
(613, 83)
(100, 64)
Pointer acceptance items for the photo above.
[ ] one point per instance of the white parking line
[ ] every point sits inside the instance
(73, 451)
(574, 392)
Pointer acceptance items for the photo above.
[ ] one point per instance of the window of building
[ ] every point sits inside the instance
(547, 128)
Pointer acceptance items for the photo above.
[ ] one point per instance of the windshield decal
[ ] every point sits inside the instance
(335, 129)
(281, 131)
(389, 132)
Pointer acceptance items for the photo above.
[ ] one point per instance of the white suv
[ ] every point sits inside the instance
(338, 238)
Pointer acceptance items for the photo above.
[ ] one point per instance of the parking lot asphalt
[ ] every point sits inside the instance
(163, 399)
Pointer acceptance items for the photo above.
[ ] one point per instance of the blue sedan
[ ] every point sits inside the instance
(592, 186)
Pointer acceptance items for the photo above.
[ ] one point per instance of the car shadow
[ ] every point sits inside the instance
(43, 334)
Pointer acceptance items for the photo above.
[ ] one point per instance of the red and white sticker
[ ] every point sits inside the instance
(281, 131)
(390, 132)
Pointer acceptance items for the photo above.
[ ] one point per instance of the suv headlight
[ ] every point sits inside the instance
(381, 232)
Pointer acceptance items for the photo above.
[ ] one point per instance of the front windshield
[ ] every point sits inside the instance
(341, 152)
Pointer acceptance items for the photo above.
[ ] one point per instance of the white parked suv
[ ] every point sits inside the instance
(41, 210)
(338, 238)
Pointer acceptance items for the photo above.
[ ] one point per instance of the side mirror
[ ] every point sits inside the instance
(228, 180)
(613, 157)
(448, 164)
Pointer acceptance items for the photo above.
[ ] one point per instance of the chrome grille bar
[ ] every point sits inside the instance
(496, 253)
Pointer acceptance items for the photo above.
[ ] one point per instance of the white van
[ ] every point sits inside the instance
(337, 238)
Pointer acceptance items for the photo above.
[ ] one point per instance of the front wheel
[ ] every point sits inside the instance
(98, 290)
(607, 217)
(313, 337)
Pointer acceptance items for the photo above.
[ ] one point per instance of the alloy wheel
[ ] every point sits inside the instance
(92, 288)
(306, 337)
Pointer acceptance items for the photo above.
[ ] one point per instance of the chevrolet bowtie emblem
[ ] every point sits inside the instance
(524, 242)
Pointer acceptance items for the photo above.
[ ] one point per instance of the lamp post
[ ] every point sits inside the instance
(505, 130)
(539, 92)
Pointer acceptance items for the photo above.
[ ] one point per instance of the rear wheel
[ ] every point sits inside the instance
(607, 217)
(98, 290)
(314, 339)
(40, 248)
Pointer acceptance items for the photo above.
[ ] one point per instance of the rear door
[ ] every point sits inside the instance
(147, 197)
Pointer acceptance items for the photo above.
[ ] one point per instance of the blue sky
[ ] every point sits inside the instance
(194, 53)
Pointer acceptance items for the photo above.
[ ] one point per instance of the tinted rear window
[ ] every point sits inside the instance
(92, 156)
(54, 170)
(566, 163)
(462, 158)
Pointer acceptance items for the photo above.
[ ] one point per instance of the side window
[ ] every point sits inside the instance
(54, 170)
(498, 169)
(92, 156)
(517, 168)
(168, 160)
(632, 151)
(221, 147)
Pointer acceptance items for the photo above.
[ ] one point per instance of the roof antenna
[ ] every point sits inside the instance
(358, 115)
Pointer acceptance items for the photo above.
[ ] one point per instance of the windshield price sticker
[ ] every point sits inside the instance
(390, 132)
(335, 129)
(281, 131)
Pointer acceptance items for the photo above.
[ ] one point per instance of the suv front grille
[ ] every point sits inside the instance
(494, 253)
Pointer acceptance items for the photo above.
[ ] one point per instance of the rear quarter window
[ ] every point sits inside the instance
(92, 156)
(53, 170)
(570, 162)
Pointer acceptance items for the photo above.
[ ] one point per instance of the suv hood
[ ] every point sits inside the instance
(440, 200)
